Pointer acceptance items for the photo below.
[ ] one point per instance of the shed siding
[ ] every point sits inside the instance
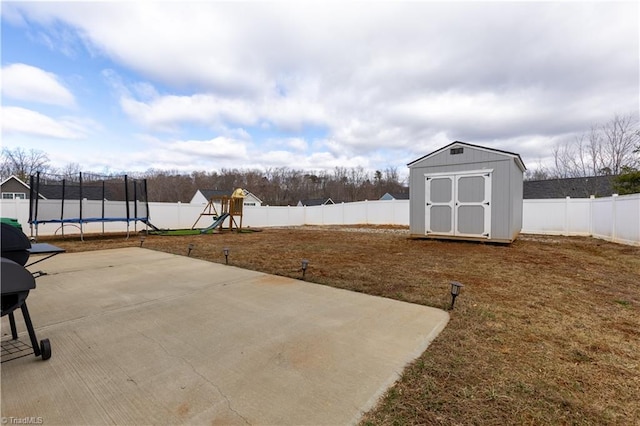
(517, 194)
(470, 155)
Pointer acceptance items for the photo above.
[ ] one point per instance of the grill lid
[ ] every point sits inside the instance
(15, 278)
(15, 244)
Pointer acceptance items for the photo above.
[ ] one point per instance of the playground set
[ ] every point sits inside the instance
(230, 208)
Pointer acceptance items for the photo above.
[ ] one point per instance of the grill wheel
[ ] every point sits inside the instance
(45, 349)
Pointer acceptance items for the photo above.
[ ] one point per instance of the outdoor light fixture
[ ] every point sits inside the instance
(305, 264)
(455, 291)
(226, 255)
(142, 240)
(190, 248)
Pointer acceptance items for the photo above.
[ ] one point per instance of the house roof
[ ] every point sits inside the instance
(72, 192)
(581, 187)
(316, 201)
(210, 193)
(515, 156)
(395, 196)
(14, 177)
(399, 195)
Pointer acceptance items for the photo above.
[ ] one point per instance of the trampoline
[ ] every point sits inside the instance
(86, 198)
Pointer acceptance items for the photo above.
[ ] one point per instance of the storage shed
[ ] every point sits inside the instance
(467, 192)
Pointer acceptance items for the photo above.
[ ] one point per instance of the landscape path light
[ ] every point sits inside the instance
(226, 255)
(142, 240)
(305, 264)
(455, 291)
(190, 247)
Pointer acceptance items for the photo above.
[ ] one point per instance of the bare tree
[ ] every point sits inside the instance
(23, 164)
(604, 150)
(621, 138)
(538, 172)
(70, 170)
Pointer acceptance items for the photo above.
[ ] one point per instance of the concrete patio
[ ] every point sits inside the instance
(144, 337)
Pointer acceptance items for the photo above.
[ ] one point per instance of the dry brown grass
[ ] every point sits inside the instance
(546, 330)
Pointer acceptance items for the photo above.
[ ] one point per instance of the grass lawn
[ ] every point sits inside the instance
(545, 331)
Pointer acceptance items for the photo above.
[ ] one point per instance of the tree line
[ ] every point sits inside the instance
(277, 186)
(274, 186)
(608, 149)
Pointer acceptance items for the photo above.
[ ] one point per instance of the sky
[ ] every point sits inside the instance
(205, 86)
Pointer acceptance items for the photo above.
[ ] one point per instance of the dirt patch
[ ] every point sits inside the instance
(544, 332)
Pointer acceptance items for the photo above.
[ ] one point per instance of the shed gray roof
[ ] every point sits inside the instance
(515, 156)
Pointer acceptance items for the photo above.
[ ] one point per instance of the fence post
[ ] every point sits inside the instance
(591, 198)
(393, 211)
(614, 197)
(366, 212)
(566, 216)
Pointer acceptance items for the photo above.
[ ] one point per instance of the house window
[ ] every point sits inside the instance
(455, 151)
(14, 196)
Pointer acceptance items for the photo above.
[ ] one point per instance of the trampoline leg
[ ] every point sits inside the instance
(32, 332)
(12, 324)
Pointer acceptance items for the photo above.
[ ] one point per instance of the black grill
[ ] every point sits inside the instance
(15, 245)
(17, 281)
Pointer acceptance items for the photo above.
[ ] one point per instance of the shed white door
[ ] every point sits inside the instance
(459, 204)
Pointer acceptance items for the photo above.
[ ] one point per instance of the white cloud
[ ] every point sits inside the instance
(27, 122)
(296, 144)
(28, 83)
(181, 155)
(168, 112)
(219, 148)
(373, 76)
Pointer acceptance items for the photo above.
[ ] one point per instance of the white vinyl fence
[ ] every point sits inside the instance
(614, 218)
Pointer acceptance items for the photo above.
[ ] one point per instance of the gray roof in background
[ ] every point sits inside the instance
(397, 195)
(583, 187)
(72, 192)
(209, 193)
(316, 202)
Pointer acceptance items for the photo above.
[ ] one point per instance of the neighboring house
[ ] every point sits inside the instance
(202, 196)
(583, 187)
(14, 189)
(315, 202)
(395, 196)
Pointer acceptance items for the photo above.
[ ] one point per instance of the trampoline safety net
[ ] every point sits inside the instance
(85, 198)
